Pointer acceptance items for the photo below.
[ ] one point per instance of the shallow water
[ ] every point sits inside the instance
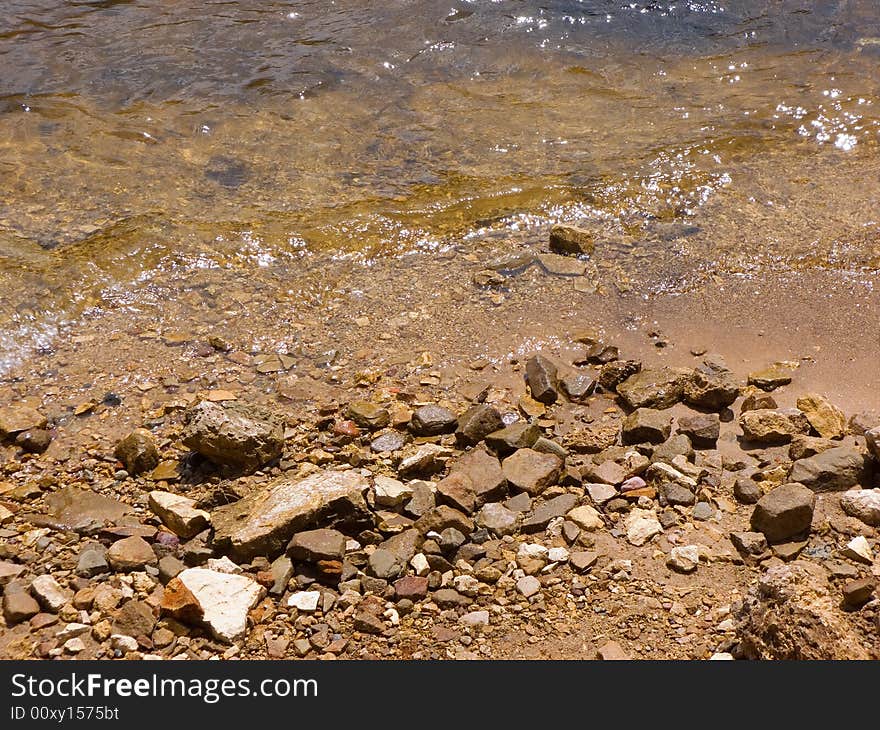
(144, 139)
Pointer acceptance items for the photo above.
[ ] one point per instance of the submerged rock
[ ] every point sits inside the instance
(571, 240)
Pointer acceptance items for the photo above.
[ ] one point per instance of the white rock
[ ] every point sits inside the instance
(390, 492)
(420, 565)
(178, 513)
(641, 525)
(74, 646)
(684, 559)
(528, 586)
(587, 518)
(306, 601)
(123, 643)
(475, 618)
(224, 599)
(721, 656)
(863, 504)
(558, 555)
(601, 493)
(392, 616)
(50, 595)
(859, 549)
(71, 630)
(223, 565)
(532, 550)
(467, 585)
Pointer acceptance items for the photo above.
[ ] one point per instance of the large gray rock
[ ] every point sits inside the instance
(839, 468)
(263, 523)
(784, 512)
(655, 388)
(234, 435)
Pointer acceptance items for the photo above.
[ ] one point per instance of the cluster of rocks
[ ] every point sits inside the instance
(297, 539)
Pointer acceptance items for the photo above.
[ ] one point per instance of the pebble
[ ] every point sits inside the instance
(306, 601)
(528, 586)
(859, 549)
(684, 558)
(49, 593)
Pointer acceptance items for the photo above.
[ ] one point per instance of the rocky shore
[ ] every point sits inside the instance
(588, 507)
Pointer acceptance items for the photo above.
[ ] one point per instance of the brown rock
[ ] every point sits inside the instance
(571, 240)
(413, 587)
(486, 476)
(138, 452)
(531, 471)
(826, 419)
(457, 490)
(131, 553)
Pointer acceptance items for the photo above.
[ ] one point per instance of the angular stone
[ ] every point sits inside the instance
(863, 504)
(676, 445)
(413, 587)
(485, 473)
(19, 417)
(702, 429)
(856, 593)
(91, 562)
(684, 558)
(475, 618)
(749, 543)
(528, 586)
(314, 545)
(646, 425)
(773, 427)
(404, 545)
(135, 618)
(675, 493)
(571, 240)
(549, 510)
(385, 564)
(531, 471)
(542, 379)
(746, 490)
(519, 435)
(582, 561)
(872, 438)
(131, 553)
(758, 401)
(449, 598)
(9, 572)
(712, 387)
(859, 549)
(654, 388)
(423, 460)
(612, 374)
(457, 490)
(476, 423)
(263, 523)
(388, 442)
(803, 447)
(561, 265)
(368, 415)
(836, 469)
(82, 510)
(611, 651)
(433, 420)
(587, 518)
(439, 518)
(138, 452)
(784, 512)
(178, 513)
(641, 525)
(49, 593)
(498, 519)
(825, 418)
(577, 388)
(368, 623)
(770, 378)
(18, 606)
(34, 440)
(388, 492)
(608, 472)
(601, 493)
(422, 500)
(170, 567)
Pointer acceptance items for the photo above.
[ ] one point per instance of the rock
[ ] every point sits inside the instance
(131, 553)
(9, 572)
(170, 567)
(587, 518)
(388, 492)
(549, 510)
(703, 511)
(856, 593)
(773, 427)
(135, 618)
(711, 386)
(519, 435)
(646, 425)
(872, 437)
(654, 388)
(611, 651)
(612, 374)
(684, 558)
(368, 623)
(433, 420)
(413, 587)
(439, 518)
(220, 601)
(178, 513)
(542, 379)
(498, 519)
(449, 598)
(531, 471)
(749, 543)
(863, 504)
(784, 512)
(770, 378)
(314, 545)
(91, 562)
(423, 460)
(263, 523)
(486, 476)
(839, 468)
(561, 265)
(138, 452)
(758, 401)
(641, 525)
(598, 353)
(385, 564)
(702, 429)
(34, 440)
(676, 445)
(388, 442)
(608, 472)
(422, 500)
(74, 645)
(123, 643)
(368, 415)
(476, 423)
(571, 240)
(19, 417)
(859, 549)
(578, 387)
(528, 586)
(803, 447)
(790, 614)
(235, 435)
(826, 419)
(50, 595)
(746, 490)
(582, 561)
(81, 510)
(675, 493)
(305, 601)
(18, 606)
(601, 493)
(475, 618)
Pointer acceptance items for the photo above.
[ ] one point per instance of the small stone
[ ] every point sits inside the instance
(684, 558)
(388, 442)
(612, 374)
(582, 561)
(856, 593)
(863, 504)
(702, 429)
(711, 386)
(138, 452)
(389, 492)
(758, 401)
(608, 472)
(561, 265)
(746, 490)
(423, 460)
(34, 440)
(91, 562)
(485, 474)
(641, 526)
(577, 388)
(548, 511)
(178, 513)
(587, 518)
(542, 379)
(384, 564)
(433, 420)
(601, 493)
(305, 601)
(749, 543)
(131, 553)
(449, 598)
(18, 606)
(859, 549)
(528, 586)
(49, 593)
(422, 501)
(703, 511)
(646, 425)
(123, 643)
(519, 435)
(531, 471)
(825, 418)
(135, 618)
(457, 490)
(770, 378)
(498, 519)
(74, 646)
(611, 651)
(803, 447)
(411, 587)
(170, 567)
(475, 618)
(368, 415)
(314, 545)
(368, 623)
(571, 240)
(784, 512)
(839, 468)
(476, 423)
(439, 518)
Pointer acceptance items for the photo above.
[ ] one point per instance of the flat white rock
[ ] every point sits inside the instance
(305, 600)
(225, 600)
(641, 525)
